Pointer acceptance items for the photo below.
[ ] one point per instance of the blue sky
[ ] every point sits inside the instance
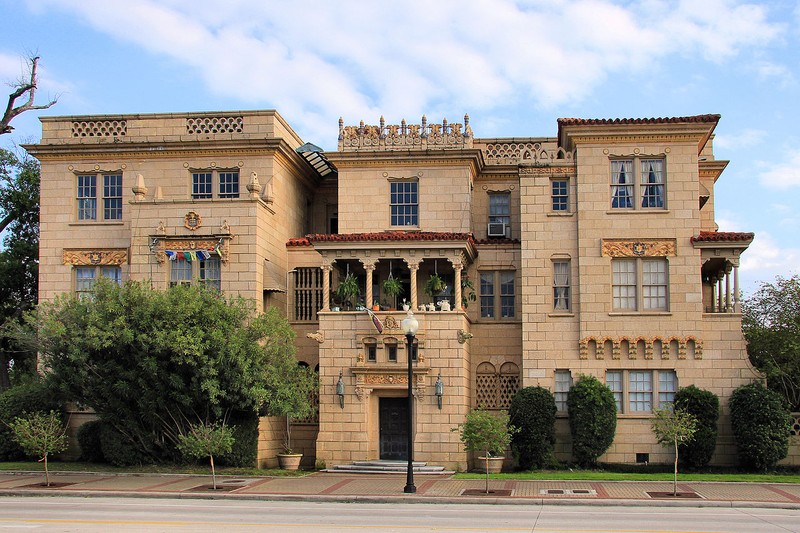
(514, 66)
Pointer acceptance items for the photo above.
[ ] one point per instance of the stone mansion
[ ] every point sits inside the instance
(527, 261)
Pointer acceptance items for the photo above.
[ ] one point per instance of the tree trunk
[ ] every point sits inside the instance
(46, 472)
(213, 473)
(675, 477)
(486, 457)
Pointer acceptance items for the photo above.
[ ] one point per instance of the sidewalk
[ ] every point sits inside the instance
(386, 488)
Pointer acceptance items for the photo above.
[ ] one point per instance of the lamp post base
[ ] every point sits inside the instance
(410, 489)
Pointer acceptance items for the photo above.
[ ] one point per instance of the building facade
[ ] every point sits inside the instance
(527, 261)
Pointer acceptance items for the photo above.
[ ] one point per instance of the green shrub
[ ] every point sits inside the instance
(245, 442)
(761, 426)
(90, 443)
(592, 419)
(533, 413)
(28, 398)
(704, 406)
(118, 449)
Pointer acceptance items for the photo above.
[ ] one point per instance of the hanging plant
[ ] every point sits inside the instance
(392, 287)
(434, 286)
(348, 288)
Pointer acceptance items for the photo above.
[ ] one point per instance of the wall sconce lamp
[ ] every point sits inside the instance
(340, 390)
(439, 387)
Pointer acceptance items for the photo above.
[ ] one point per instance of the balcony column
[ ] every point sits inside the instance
(326, 287)
(413, 267)
(728, 307)
(458, 265)
(369, 266)
(720, 295)
(737, 306)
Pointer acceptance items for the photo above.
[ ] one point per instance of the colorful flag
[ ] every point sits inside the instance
(375, 321)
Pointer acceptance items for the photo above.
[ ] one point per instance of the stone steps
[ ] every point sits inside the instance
(387, 467)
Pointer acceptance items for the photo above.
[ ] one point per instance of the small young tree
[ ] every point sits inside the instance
(41, 434)
(533, 411)
(592, 419)
(704, 405)
(296, 401)
(761, 426)
(486, 433)
(206, 440)
(673, 427)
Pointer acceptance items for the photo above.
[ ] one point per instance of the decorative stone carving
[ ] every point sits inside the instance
(463, 336)
(639, 248)
(386, 379)
(192, 221)
(111, 256)
(319, 337)
(362, 393)
(139, 190)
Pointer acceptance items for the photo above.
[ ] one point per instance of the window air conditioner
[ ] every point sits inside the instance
(497, 229)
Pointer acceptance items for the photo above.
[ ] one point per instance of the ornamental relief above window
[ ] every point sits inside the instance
(639, 248)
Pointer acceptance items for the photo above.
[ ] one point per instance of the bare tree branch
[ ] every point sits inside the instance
(22, 88)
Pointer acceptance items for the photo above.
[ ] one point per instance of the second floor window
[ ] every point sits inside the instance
(497, 294)
(404, 202)
(561, 285)
(640, 284)
(99, 190)
(206, 271)
(560, 195)
(86, 277)
(638, 183)
(215, 184)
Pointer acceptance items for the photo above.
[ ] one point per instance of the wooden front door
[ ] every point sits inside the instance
(394, 428)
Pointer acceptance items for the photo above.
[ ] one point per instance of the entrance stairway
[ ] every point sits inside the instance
(387, 467)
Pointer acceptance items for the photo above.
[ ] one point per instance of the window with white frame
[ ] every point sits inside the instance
(404, 203)
(562, 386)
(208, 184)
(642, 391)
(86, 277)
(99, 197)
(560, 195)
(561, 285)
(497, 294)
(640, 284)
(638, 183)
(499, 214)
(185, 271)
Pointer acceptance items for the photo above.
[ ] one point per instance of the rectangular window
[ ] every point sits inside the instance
(391, 352)
(494, 303)
(614, 382)
(560, 195)
(561, 285)
(562, 386)
(500, 208)
(372, 353)
(86, 277)
(307, 294)
(640, 284)
(642, 392)
(404, 202)
(184, 271)
(210, 272)
(180, 272)
(638, 184)
(112, 197)
(225, 182)
(88, 196)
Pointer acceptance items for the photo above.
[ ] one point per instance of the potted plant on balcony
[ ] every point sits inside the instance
(392, 288)
(348, 290)
(291, 402)
(487, 433)
(435, 285)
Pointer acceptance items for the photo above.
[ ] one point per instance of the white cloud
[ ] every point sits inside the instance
(766, 259)
(743, 139)
(317, 60)
(783, 175)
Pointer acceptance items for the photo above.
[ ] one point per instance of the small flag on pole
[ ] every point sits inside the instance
(375, 321)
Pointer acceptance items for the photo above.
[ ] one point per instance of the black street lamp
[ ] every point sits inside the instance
(410, 326)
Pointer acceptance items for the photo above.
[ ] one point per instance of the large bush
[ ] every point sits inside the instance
(704, 406)
(592, 419)
(245, 442)
(533, 413)
(19, 401)
(153, 362)
(761, 426)
(90, 443)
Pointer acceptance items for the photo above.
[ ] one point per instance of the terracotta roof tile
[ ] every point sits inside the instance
(660, 120)
(723, 236)
(308, 240)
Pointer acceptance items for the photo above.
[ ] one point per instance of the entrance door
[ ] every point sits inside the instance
(394, 428)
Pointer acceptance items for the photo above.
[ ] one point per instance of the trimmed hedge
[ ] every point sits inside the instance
(592, 419)
(761, 426)
(533, 413)
(704, 406)
(28, 398)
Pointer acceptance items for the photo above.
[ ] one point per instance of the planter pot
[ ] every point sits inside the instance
(289, 461)
(495, 465)
(405, 307)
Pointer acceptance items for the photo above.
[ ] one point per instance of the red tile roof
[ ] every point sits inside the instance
(661, 120)
(308, 240)
(723, 236)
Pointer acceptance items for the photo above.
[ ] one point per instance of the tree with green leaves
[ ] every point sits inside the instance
(19, 259)
(672, 427)
(206, 440)
(704, 405)
(771, 325)
(295, 402)
(41, 434)
(486, 433)
(761, 426)
(149, 361)
(592, 419)
(533, 412)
